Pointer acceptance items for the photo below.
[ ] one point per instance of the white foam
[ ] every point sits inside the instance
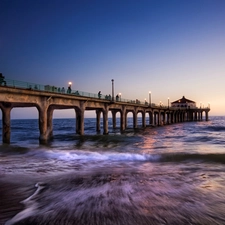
(101, 156)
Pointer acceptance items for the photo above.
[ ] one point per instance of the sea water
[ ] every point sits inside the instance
(172, 174)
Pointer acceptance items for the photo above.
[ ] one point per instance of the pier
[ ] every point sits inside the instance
(47, 98)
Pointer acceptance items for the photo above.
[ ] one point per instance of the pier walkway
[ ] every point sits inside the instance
(47, 98)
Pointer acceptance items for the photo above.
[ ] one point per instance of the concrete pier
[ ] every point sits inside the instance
(46, 102)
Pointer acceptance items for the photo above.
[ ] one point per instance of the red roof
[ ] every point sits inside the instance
(183, 100)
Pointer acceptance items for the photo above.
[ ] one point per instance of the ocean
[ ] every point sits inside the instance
(172, 174)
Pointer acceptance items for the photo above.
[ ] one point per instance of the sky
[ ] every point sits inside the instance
(172, 48)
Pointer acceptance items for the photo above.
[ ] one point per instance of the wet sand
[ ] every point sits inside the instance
(115, 195)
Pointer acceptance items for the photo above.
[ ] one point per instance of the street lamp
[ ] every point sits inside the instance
(70, 84)
(112, 90)
(168, 102)
(150, 98)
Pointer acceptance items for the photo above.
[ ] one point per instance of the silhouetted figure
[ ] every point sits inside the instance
(99, 94)
(117, 97)
(69, 90)
(2, 79)
(63, 90)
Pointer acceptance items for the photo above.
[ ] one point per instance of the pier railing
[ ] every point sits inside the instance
(55, 89)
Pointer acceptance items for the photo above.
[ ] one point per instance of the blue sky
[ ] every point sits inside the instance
(169, 47)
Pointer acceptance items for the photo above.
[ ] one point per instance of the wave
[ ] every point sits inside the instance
(102, 156)
(181, 157)
(135, 157)
(215, 128)
(110, 156)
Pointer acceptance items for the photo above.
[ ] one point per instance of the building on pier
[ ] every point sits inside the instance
(184, 103)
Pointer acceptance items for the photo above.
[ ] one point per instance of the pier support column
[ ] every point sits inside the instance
(143, 119)
(122, 119)
(105, 120)
(181, 117)
(206, 116)
(175, 117)
(43, 138)
(199, 116)
(196, 116)
(45, 120)
(49, 122)
(150, 118)
(135, 119)
(98, 116)
(126, 120)
(80, 121)
(155, 119)
(168, 118)
(6, 129)
(185, 117)
(114, 118)
(171, 117)
(159, 119)
(188, 116)
(192, 116)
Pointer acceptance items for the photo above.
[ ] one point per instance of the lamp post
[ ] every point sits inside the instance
(150, 98)
(168, 102)
(70, 84)
(112, 90)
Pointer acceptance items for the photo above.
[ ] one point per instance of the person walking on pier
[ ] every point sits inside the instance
(99, 94)
(2, 79)
(69, 90)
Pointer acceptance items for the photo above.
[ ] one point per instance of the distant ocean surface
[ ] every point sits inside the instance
(173, 174)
